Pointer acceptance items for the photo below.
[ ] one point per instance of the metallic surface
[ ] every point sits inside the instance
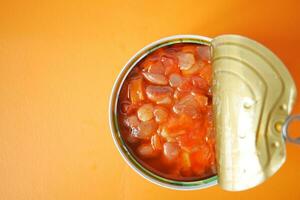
(285, 129)
(253, 95)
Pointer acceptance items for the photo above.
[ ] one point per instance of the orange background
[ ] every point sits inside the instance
(58, 62)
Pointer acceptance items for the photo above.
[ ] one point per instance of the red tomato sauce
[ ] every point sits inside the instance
(165, 112)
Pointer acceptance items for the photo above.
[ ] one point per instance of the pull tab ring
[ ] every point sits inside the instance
(285, 127)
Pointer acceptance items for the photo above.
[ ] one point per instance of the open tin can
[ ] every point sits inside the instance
(253, 94)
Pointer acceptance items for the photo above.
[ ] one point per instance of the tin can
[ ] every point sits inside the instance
(113, 121)
(253, 97)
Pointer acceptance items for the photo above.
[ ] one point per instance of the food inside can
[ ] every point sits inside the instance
(165, 112)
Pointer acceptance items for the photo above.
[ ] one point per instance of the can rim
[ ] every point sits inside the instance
(113, 123)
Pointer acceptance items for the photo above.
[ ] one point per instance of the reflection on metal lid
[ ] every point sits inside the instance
(253, 93)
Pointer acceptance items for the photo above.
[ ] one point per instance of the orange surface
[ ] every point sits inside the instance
(58, 62)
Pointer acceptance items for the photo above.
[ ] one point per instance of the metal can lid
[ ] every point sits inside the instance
(253, 95)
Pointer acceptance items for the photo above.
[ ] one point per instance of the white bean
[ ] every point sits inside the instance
(146, 129)
(158, 79)
(157, 93)
(175, 80)
(186, 60)
(145, 112)
(132, 121)
(146, 151)
(171, 150)
(161, 114)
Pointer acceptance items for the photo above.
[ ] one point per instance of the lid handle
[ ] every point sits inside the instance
(285, 129)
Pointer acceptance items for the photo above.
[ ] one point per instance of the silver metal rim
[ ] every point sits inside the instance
(285, 127)
(112, 114)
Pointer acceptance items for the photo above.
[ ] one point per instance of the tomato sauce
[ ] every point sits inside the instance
(165, 112)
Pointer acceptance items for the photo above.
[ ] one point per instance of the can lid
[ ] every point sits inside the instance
(253, 95)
